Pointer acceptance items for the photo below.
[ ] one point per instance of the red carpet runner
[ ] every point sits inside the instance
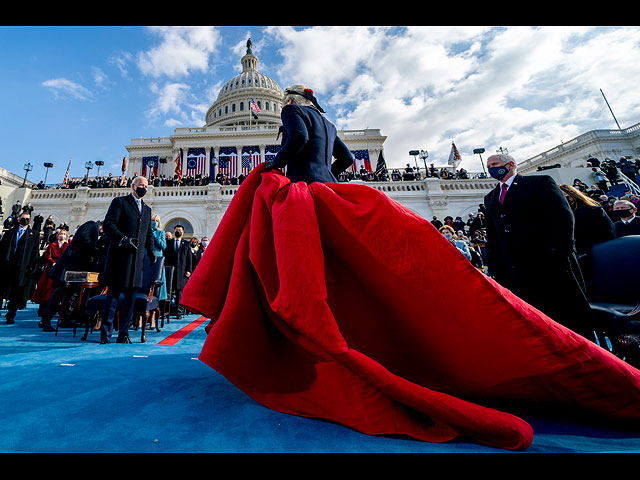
(175, 337)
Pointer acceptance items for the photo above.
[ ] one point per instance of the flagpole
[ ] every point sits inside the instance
(614, 117)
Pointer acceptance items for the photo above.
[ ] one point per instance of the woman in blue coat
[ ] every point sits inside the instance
(159, 244)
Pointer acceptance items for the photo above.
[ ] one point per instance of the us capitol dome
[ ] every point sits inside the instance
(240, 132)
(232, 107)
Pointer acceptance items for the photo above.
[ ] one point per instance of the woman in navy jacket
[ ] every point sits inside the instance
(309, 140)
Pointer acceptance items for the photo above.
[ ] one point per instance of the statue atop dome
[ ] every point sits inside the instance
(249, 45)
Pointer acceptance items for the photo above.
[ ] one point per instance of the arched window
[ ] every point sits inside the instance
(241, 106)
(186, 225)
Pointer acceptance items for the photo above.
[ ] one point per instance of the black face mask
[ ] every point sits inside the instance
(141, 191)
(177, 234)
(627, 212)
(24, 221)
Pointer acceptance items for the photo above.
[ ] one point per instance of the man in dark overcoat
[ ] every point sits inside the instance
(128, 227)
(531, 247)
(178, 255)
(19, 252)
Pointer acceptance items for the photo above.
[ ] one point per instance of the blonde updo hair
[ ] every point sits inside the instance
(294, 94)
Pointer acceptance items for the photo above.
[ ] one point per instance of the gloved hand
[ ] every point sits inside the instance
(130, 244)
(268, 165)
(152, 257)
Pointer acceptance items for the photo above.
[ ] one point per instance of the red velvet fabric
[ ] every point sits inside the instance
(333, 301)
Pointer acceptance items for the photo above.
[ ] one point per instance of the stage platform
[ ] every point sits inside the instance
(60, 394)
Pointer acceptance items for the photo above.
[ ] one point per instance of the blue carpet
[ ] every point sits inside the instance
(59, 394)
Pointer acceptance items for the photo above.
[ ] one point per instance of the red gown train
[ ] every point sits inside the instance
(333, 301)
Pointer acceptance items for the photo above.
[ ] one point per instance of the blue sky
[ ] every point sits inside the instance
(84, 92)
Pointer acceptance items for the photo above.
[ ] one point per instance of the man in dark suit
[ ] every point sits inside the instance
(531, 246)
(128, 227)
(178, 255)
(19, 251)
(628, 223)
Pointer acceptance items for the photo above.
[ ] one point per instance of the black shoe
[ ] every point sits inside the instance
(104, 341)
(48, 328)
(123, 339)
(10, 321)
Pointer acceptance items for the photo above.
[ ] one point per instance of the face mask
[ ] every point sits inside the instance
(177, 234)
(154, 224)
(627, 212)
(141, 191)
(24, 221)
(498, 172)
(204, 243)
(193, 244)
(448, 236)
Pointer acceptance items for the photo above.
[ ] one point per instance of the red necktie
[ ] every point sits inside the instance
(503, 193)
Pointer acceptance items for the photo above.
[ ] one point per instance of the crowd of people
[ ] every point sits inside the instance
(409, 173)
(35, 254)
(30, 260)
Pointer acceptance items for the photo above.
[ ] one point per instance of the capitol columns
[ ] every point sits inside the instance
(238, 163)
(263, 153)
(216, 152)
(207, 165)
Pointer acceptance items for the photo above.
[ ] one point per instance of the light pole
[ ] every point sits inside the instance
(27, 168)
(424, 155)
(414, 153)
(47, 166)
(88, 166)
(99, 163)
(480, 151)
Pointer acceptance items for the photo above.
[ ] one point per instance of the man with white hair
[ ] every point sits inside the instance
(531, 247)
(628, 223)
(128, 227)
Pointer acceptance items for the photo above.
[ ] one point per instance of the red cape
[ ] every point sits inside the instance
(334, 301)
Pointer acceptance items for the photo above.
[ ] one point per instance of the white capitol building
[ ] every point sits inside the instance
(232, 134)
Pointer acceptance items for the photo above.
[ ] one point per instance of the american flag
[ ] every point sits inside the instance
(251, 158)
(228, 160)
(361, 160)
(246, 164)
(196, 162)
(65, 182)
(149, 161)
(254, 106)
(178, 170)
(454, 156)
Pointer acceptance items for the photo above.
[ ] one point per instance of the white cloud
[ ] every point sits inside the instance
(170, 97)
(120, 60)
(182, 50)
(62, 86)
(99, 77)
(523, 88)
